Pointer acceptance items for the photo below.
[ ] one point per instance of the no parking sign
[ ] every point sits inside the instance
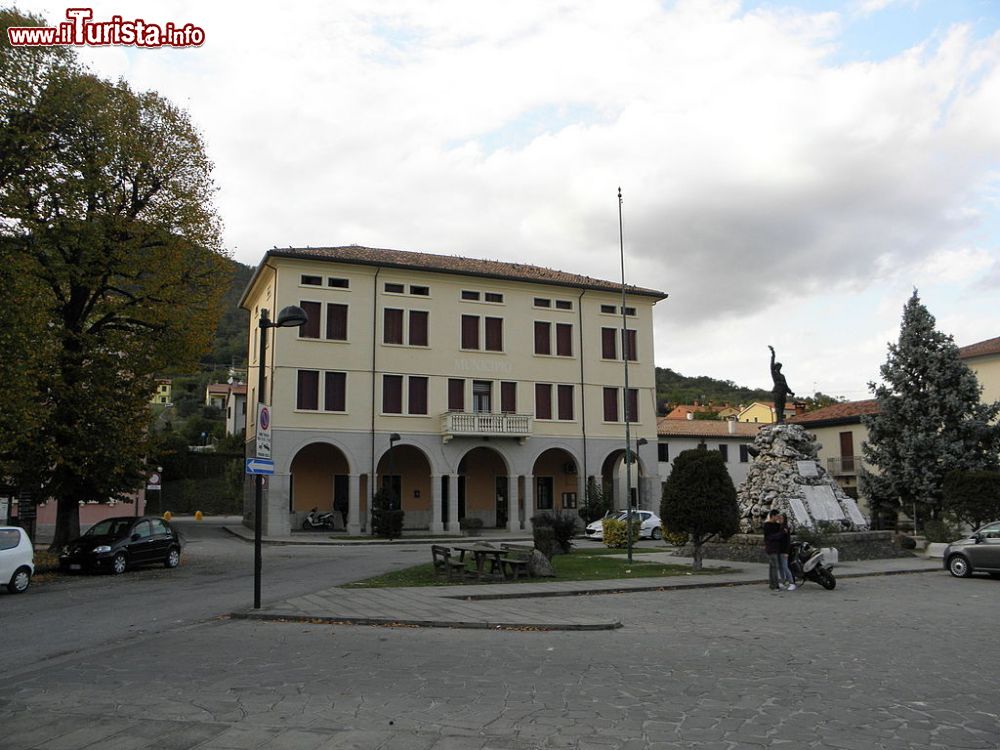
(263, 431)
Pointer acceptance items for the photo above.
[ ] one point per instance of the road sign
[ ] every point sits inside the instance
(263, 431)
(260, 466)
(154, 482)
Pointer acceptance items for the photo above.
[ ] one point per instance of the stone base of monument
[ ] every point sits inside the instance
(850, 545)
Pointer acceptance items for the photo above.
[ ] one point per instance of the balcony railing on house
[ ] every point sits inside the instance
(483, 424)
(846, 466)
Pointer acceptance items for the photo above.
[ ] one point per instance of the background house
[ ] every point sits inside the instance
(729, 437)
(162, 394)
(983, 358)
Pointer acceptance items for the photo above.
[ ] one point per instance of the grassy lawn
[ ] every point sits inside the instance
(580, 565)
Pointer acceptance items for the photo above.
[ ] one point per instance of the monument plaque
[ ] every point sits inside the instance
(807, 468)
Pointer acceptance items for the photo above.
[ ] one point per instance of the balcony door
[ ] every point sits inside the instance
(482, 396)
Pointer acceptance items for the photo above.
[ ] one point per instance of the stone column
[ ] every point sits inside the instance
(513, 516)
(581, 488)
(436, 524)
(529, 501)
(354, 505)
(453, 504)
(276, 519)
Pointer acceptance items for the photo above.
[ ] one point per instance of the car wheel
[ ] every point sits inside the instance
(173, 558)
(20, 581)
(118, 564)
(959, 567)
(656, 535)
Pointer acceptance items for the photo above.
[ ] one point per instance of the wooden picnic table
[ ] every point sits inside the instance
(481, 552)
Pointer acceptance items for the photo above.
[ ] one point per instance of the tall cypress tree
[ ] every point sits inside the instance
(930, 419)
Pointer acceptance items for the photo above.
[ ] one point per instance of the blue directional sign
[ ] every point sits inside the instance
(260, 466)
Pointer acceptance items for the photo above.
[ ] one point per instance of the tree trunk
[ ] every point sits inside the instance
(697, 542)
(67, 522)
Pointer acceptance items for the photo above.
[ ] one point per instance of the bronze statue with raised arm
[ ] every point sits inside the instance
(781, 390)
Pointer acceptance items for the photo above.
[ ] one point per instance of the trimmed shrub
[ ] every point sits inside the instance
(907, 542)
(545, 541)
(615, 534)
(563, 525)
(941, 530)
(387, 522)
(677, 538)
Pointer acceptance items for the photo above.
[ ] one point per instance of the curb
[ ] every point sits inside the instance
(390, 622)
(334, 542)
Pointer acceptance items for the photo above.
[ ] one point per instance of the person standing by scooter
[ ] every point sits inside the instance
(772, 548)
(787, 580)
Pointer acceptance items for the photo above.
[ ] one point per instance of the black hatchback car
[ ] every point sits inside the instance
(116, 544)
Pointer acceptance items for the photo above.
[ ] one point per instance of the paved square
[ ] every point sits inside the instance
(892, 662)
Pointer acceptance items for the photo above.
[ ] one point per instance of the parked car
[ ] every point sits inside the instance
(978, 552)
(650, 528)
(17, 559)
(116, 544)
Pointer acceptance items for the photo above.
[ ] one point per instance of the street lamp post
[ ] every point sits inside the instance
(289, 317)
(625, 399)
(394, 499)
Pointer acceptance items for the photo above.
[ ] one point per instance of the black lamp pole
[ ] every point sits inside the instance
(289, 317)
(625, 353)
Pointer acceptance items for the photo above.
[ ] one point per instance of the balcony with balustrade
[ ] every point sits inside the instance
(845, 466)
(484, 424)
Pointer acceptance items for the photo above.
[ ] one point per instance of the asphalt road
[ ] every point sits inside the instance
(883, 663)
(68, 616)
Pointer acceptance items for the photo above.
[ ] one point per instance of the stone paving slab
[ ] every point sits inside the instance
(519, 605)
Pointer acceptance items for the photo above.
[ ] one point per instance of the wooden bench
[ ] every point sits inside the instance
(515, 559)
(443, 562)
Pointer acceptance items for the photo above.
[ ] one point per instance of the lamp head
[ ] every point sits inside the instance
(292, 317)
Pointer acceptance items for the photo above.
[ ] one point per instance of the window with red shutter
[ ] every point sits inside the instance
(508, 397)
(335, 396)
(470, 331)
(417, 395)
(307, 396)
(564, 339)
(418, 327)
(313, 311)
(629, 345)
(392, 394)
(543, 401)
(609, 348)
(565, 394)
(610, 404)
(392, 329)
(494, 334)
(633, 405)
(456, 394)
(336, 322)
(543, 337)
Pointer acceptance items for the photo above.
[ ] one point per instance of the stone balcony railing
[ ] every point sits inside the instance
(483, 424)
(847, 466)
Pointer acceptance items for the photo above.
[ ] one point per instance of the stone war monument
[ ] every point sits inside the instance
(787, 475)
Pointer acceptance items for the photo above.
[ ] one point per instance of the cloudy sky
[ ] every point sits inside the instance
(790, 170)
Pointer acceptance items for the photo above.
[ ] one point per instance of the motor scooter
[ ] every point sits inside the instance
(807, 564)
(318, 521)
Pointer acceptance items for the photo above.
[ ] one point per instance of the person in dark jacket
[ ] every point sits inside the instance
(773, 531)
(787, 580)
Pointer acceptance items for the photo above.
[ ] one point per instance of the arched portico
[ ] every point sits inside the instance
(484, 488)
(320, 477)
(406, 471)
(557, 481)
(614, 478)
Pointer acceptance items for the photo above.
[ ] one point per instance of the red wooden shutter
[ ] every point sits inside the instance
(633, 405)
(392, 394)
(610, 403)
(629, 345)
(310, 329)
(494, 334)
(543, 344)
(508, 397)
(456, 394)
(609, 348)
(336, 322)
(418, 327)
(418, 395)
(543, 401)
(392, 328)
(335, 398)
(564, 339)
(565, 393)
(308, 390)
(470, 331)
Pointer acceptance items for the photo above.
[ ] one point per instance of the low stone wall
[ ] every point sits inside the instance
(856, 545)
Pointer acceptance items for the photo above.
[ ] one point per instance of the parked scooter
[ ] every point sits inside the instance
(807, 564)
(318, 521)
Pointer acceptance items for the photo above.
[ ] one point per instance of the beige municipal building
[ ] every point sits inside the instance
(471, 388)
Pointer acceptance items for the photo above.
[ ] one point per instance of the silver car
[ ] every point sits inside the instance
(978, 552)
(16, 559)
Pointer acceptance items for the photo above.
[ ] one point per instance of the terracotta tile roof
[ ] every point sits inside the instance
(682, 410)
(218, 387)
(494, 269)
(980, 349)
(704, 428)
(848, 411)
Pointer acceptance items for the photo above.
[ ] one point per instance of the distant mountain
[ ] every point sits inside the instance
(673, 388)
(229, 349)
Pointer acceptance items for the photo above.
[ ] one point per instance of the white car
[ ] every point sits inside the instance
(650, 529)
(17, 557)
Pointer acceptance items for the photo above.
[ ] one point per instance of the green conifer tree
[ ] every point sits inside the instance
(930, 420)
